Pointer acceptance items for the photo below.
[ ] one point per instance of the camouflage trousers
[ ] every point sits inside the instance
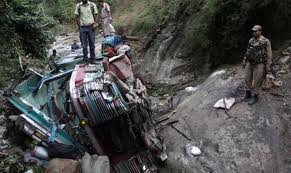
(254, 77)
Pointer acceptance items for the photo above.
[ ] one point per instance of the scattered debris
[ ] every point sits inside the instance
(191, 89)
(193, 150)
(277, 83)
(225, 103)
(167, 124)
(182, 133)
(164, 118)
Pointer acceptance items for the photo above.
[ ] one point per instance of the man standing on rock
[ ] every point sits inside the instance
(257, 63)
(86, 19)
(106, 18)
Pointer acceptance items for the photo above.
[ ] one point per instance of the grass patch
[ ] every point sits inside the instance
(144, 16)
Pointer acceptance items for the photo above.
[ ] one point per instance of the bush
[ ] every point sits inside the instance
(61, 10)
(223, 26)
(25, 30)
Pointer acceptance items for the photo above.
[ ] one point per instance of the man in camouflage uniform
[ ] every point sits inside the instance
(257, 63)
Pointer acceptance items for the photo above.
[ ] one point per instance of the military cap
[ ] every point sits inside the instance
(257, 28)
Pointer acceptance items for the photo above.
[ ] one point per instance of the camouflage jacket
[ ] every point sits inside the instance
(259, 51)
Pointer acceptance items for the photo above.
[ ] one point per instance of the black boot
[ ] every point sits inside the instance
(254, 100)
(248, 96)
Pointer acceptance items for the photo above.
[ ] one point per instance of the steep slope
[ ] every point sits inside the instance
(184, 39)
(161, 55)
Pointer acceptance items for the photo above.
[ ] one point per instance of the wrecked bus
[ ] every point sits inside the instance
(89, 107)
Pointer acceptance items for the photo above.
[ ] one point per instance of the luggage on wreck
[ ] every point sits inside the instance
(88, 164)
(95, 164)
(63, 166)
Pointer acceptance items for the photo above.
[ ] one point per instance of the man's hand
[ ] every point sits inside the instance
(94, 26)
(78, 23)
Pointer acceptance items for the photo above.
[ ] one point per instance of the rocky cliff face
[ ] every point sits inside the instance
(163, 61)
(164, 56)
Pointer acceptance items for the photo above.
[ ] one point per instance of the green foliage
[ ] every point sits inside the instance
(149, 22)
(25, 30)
(218, 30)
(156, 14)
(223, 26)
(61, 10)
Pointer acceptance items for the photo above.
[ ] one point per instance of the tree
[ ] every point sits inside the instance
(24, 30)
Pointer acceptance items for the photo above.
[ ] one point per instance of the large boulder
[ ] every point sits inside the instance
(243, 139)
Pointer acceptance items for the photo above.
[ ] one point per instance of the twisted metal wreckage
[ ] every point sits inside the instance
(90, 107)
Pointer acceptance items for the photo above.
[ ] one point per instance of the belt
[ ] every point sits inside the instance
(87, 25)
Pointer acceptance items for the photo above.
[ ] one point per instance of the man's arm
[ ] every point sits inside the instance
(269, 56)
(95, 21)
(96, 17)
(77, 16)
(78, 21)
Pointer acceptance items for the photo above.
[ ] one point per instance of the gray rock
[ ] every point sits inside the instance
(243, 139)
